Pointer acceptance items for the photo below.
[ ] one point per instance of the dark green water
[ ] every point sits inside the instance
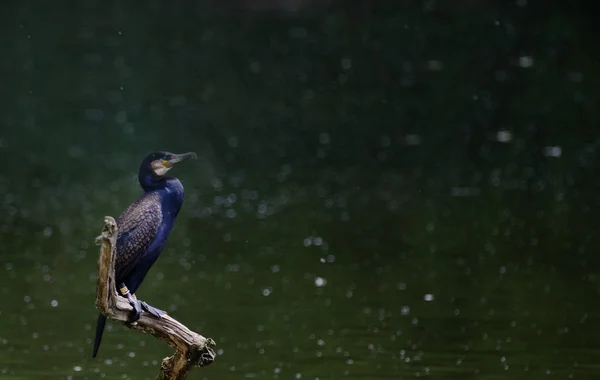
(383, 192)
(455, 293)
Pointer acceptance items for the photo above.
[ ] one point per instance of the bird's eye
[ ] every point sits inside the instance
(164, 157)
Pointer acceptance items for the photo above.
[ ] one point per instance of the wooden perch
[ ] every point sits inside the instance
(192, 349)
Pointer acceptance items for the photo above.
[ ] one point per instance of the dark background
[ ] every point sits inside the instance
(413, 183)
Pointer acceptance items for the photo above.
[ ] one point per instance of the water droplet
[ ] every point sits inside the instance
(307, 241)
(47, 232)
(255, 67)
(553, 151)
(324, 138)
(504, 136)
(525, 61)
(346, 63)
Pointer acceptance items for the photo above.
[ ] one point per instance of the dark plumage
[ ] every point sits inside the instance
(144, 228)
(137, 229)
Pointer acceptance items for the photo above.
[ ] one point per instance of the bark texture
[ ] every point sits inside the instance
(192, 349)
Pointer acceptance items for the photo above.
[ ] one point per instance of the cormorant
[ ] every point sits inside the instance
(143, 230)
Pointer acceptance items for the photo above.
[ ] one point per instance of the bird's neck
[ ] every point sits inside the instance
(151, 182)
(174, 193)
(170, 187)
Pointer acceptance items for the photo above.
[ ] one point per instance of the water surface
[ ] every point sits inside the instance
(383, 192)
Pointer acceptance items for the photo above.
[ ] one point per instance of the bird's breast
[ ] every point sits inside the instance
(171, 204)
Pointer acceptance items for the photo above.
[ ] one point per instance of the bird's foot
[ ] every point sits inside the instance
(152, 310)
(137, 310)
(133, 301)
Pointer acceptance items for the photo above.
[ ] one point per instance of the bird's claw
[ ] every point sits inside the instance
(138, 305)
(152, 310)
(137, 310)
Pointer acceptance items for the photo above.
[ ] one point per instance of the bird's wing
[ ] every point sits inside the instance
(138, 227)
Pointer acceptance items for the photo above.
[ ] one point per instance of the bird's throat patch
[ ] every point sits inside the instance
(161, 167)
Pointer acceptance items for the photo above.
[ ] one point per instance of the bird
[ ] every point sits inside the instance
(143, 229)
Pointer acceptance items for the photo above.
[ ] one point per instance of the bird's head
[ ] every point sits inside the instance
(159, 163)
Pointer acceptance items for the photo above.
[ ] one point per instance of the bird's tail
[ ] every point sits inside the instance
(99, 330)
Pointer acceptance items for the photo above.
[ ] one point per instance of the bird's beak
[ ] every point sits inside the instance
(180, 157)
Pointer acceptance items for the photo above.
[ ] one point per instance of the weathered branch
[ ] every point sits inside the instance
(192, 349)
